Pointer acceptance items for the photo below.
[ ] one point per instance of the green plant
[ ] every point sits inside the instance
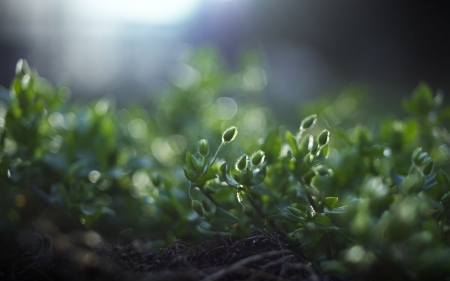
(360, 199)
(372, 199)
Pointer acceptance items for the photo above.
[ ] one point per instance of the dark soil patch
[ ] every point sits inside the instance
(262, 256)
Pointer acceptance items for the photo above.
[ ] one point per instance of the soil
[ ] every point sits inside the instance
(262, 256)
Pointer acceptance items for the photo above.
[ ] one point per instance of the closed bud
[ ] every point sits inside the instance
(428, 168)
(419, 157)
(156, 179)
(203, 147)
(257, 157)
(306, 143)
(445, 200)
(22, 67)
(308, 122)
(323, 171)
(241, 163)
(323, 138)
(229, 134)
(198, 208)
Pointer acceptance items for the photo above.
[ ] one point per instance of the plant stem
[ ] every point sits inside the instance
(328, 249)
(217, 153)
(217, 204)
(260, 211)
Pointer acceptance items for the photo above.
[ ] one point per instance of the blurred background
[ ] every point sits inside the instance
(309, 48)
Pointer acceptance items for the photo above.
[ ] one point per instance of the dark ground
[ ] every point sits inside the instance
(262, 256)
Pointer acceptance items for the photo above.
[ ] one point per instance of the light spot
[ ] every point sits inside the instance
(137, 128)
(163, 152)
(140, 178)
(56, 120)
(186, 77)
(355, 254)
(102, 106)
(226, 108)
(94, 176)
(177, 143)
(254, 79)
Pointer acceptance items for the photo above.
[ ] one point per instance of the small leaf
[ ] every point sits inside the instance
(258, 177)
(323, 220)
(428, 168)
(197, 206)
(291, 141)
(396, 178)
(272, 146)
(445, 200)
(338, 210)
(223, 219)
(442, 178)
(228, 179)
(296, 212)
(188, 175)
(189, 161)
(330, 202)
(206, 176)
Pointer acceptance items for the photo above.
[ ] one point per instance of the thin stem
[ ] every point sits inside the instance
(217, 153)
(212, 199)
(328, 249)
(190, 189)
(260, 211)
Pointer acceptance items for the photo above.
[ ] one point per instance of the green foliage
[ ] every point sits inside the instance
(356, 197)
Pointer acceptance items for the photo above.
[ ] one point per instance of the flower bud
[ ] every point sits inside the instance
(428, 168)
(22, 67)
(203, 147)
(156, 179)
(323, 138)
(257, 157)
(229, 134)
(308, 122)
(241, 163)
(198, 208)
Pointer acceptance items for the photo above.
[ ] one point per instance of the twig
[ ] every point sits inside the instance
(238, 265)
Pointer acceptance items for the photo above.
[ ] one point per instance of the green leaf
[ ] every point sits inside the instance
(296, 212)
(188, 175)
(206, 176)
(292, 142)
(323, 220)
(396, 178)
(198, 208)
(272, 146)
(223, 219)
(442, 178)
(330, 202)
(258, 177)
(189, 161)
(228, 179)
(338, 210)
(421, 101)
